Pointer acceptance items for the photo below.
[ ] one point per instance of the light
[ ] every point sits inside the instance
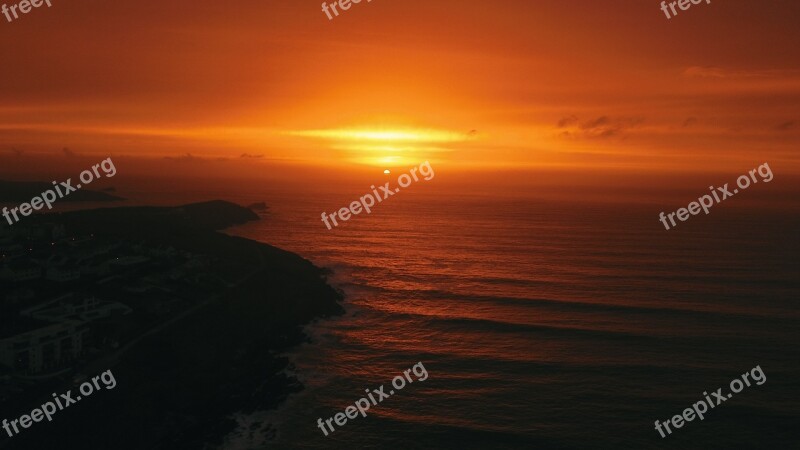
(398, 135)
(387, 146)
(387, 171)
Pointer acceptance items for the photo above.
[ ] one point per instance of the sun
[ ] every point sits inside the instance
(387, 146)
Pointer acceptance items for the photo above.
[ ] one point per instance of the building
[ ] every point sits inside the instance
(34, 346)
(18, 272)
(62, 274)
(18, 296)
(51, 334)
(69, 306)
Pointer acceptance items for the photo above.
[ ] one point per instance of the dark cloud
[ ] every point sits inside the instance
(595, 124)
(190, 158)
(187, 158)
(601, 127)
(567, 121)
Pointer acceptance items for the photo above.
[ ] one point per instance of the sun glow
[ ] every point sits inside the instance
(397, 135)
(382, 147)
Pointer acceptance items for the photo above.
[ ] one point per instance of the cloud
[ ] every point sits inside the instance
(718, 72)
(187, 158)
(786, 126)
(68, 153)
(567, 121)
(191, 159)
(601, 127)
(594, 124)
(706, 72)
(247, 155)
(689, 122)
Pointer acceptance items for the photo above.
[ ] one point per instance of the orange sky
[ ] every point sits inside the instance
(586, 84)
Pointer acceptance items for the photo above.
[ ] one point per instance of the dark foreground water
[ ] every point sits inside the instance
(542, 325)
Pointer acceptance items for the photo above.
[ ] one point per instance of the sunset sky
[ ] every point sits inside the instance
(583, 84)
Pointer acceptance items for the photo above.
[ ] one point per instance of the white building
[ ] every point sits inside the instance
(62, 274)
(52, 333)
(18, 272)
(42, 345)
(68, 306)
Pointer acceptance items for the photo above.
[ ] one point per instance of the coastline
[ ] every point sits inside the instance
(179, 386)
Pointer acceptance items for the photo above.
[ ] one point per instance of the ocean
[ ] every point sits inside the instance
(542, 323)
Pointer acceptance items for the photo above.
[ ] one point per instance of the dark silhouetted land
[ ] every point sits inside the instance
(181, 369)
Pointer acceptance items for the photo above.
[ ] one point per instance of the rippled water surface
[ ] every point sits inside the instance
(541, 324)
